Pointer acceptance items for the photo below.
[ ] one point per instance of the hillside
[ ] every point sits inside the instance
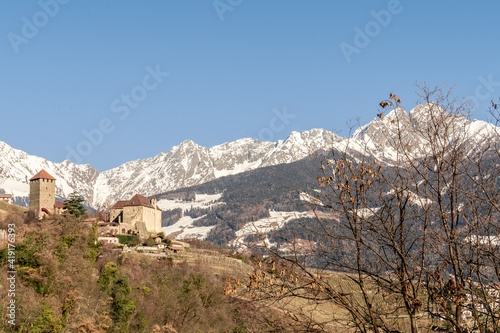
(243, 198)
(66, 282)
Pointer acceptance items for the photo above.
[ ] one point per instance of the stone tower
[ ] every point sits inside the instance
(42, 194)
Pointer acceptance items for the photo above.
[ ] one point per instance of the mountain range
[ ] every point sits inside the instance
(239, 209)
(184, 165)
(190, 164)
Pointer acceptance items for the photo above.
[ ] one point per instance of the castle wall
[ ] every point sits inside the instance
(114, 213)
(143, 230)
(153, 219)
(131, 214)
(157, 220)
(144, 219)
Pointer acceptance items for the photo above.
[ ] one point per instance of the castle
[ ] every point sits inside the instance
(137, 215)
(43, 194)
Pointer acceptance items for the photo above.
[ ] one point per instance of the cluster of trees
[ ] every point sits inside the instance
(169, 217)
(184, 195)
(234, 215)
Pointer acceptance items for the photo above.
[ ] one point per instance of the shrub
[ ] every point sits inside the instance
(129, 240)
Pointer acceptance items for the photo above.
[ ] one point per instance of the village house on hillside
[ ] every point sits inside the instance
(138, 214)
(6, 197)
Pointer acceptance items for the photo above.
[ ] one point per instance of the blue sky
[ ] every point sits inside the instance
(67, 68)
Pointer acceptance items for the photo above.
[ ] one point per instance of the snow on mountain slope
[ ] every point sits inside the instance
(482, 130)
(20, 190)
(200, 201)
(239, 156)
(275, 221)
(184, 165)
(17, 167)
(419, 132)
(184, 228)
(191, 164)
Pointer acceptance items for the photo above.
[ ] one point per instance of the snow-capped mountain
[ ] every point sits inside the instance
(420, 132)
(190, 164)
(17, 167)
(184, 165)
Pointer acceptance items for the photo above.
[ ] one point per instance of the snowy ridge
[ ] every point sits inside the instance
(17, 167)
(482, 130)
(190, 164)
(184, 165)
(416, 132)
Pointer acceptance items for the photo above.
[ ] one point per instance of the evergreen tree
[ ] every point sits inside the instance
(74, 205)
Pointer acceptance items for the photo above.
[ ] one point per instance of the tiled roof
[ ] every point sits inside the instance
(137, 200)
(42, 175)
(59, 204)
(120, 204)
(140, 200)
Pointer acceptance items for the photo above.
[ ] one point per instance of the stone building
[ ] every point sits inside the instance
(59, 207)
(43, 195)
(137, 215)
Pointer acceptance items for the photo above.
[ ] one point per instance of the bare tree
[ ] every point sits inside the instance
(406, 237)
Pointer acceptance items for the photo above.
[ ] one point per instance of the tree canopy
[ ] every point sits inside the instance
(74, 205)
